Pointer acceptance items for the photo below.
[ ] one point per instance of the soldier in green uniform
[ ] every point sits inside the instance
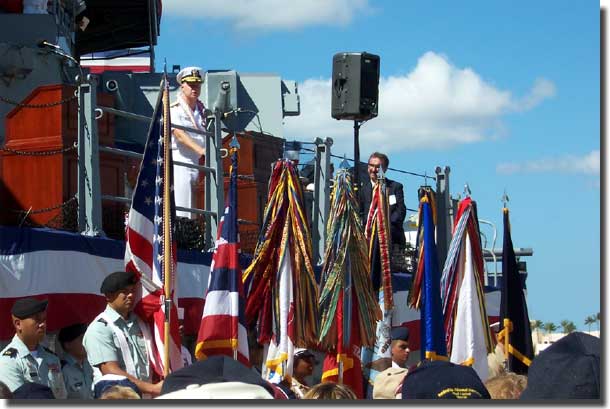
(78, 374)
(25, 359)
(114, 341)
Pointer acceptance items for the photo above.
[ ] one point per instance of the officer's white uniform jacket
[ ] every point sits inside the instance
(18, 366)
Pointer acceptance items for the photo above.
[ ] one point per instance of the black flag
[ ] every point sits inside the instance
(514, 319)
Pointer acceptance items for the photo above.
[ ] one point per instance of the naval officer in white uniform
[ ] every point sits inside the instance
(187, 147)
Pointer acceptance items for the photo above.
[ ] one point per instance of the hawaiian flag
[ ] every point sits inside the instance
(466, 324)
(223, 329)
(150, 244)
(425, 293)
(515, 331)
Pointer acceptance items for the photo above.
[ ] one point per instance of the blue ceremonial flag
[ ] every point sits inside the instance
(432, 332)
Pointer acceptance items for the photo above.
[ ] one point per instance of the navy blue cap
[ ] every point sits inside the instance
(568, 369)
(443, 380)
(117, 281)
(217, 368)
(31, 390)
(26, 307)
(110, 380)
(400, 333)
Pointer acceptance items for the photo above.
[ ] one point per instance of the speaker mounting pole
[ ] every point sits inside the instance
(357, 161)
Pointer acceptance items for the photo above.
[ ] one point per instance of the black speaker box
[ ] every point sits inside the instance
(355, 86)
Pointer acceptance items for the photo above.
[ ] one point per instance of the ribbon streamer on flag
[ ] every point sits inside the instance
(223, 330)
(280, 283)
(515, 331)
(348, 305)
(150, 249)
(425, 293)
(379, 358)
(465, 316)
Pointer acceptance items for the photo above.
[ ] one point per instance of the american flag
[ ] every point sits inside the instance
(149, 240)
(223, 328)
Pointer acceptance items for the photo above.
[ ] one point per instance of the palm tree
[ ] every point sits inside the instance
(549, 327)
(590, 320)
(597, 319)
(568, 326)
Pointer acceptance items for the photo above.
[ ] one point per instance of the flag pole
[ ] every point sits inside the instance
(167, 241)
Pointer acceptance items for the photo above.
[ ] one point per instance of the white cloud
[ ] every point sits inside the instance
(437, 105)
(587, 164)
(542, 89)
(270, 14)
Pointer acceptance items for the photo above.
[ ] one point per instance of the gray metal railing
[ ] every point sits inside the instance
(89, 191)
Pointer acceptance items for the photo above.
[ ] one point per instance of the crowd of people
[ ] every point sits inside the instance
(107, 359)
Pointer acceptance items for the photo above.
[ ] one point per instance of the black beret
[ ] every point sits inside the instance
(117, 281)
(400, 333)
(443, 380)
(32, 390)
(26, 307)
(71, 332)
(568, 369)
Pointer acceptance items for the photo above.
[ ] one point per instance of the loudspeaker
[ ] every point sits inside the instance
(355, 86)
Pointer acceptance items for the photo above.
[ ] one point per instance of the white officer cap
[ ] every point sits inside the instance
(190, 74)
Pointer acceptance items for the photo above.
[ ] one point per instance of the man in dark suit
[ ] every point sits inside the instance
(396, 201)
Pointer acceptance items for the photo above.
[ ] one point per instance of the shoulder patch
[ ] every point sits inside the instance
(49, 351)
(103, 321)
(12, 352)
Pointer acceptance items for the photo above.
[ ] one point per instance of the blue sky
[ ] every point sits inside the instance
(505, 93)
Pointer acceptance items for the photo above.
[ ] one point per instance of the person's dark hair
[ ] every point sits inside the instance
(330, 390)
(5, 392)
(385, 162)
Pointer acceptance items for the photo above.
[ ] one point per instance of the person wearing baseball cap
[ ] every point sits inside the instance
(304, 361)
(387, 383)
(25, 360)
(187, 146)
(114, 340)
(443, 380)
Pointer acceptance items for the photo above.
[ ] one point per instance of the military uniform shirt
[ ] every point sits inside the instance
(103, 346)
(18, 366)
(78, 378)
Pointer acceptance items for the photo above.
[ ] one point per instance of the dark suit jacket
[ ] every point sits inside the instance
(398, 210)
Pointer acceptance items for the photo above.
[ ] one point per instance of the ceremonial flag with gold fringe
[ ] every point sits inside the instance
(465, 316)
(425, 293)
(150, 249)
(347, 305)
(281, 290)
(515, 331)
(223, 329)
(379, 357)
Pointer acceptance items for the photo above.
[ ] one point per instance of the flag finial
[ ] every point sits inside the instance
(505, 199)
(467, 190)
(344, 164)
(234, 143)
